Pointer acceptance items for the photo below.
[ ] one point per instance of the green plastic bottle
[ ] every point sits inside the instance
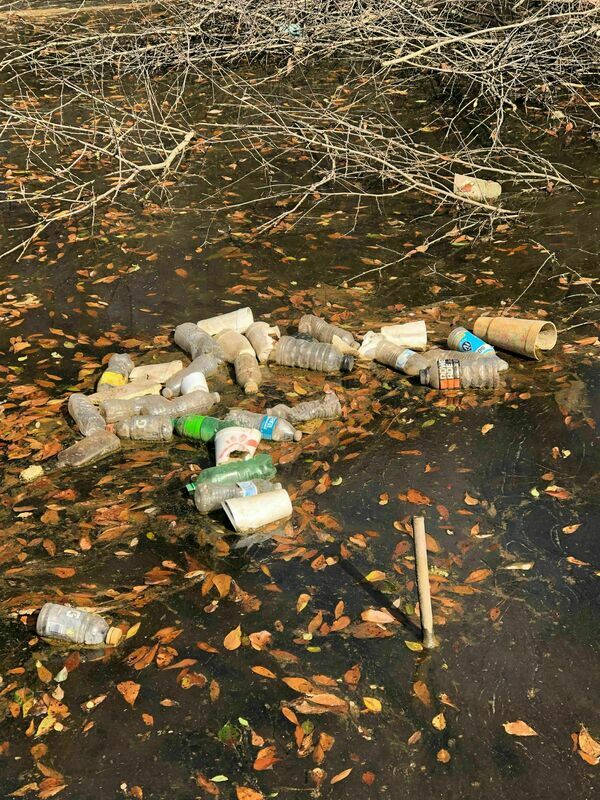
(260, 466)
(201, 428)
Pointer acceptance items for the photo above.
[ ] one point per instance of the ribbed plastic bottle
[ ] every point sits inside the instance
(195, 342)
(198, 402)
(324, 331)
(481, 373)
(328, 407)
(247, 372)
(94, 447)
(290, 352)
(232, 344)
(151, 405)
(400, 358)
(260, 466)
(271, 427)
(201, 428)
(206, 363)
(68, 624)
(465, 358)
(209, 496)
(146, 429)
(262, 337)
(85, 415)
(117, 370)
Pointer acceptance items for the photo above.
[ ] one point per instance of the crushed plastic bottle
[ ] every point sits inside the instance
(156, 372)
(271, 427)
(94, 447)
(290, 352)
(146, 429)
(260, 466)
(117, 370)
(67, 624)
(233, 344)
(262, 337)
(129, 390)
(201, 428)
(328, 407)
(247, 372)
(206, 363)
(324, 331)
(195, 342)
(209, 496)
(449, 373)
(197, 402)
(85, 415)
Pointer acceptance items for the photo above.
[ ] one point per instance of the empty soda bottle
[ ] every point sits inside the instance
(198, 402)
(94, 447)
(209, 496)
(195, 342)
(201, 428)
(146, 429)
(262, 337)
(117, 370)
(448, 373)
(247, 372)
(206, 363)
(328, 407)
(324, 331)
(400, 358)
(290, 352)
(260, 466)
(67, 624)
(85, 415)
(271, 427)
(465, 341)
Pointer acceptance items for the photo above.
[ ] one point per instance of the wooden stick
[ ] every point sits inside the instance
(426, 613)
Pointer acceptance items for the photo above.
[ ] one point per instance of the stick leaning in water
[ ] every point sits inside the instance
(429, 640)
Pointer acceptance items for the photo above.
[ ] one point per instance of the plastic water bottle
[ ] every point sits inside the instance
(324, 331)
(206, 363)
(447, 374)
(156, 372)
(209, 496)
(201, 428)
(197, 402)
(233, 344)
(465, 341)
(328, 407)
(193, 382)
(260, 466)
(68, 624)
(115, 410)
(247, 372)
(94, 447)
(262, 337)
(85, 415)
(271, 427)
(195, 342)
(291, 352)
(465, 359)
(400, 358)
(117, 370)
(146, 429)
(238, 320)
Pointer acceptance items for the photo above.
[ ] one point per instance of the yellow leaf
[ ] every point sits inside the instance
(486, 428)
(375, 575)
(302, 601)
(133, 630)
(233, 639)
(45, 725)
(439, 721)
(519, 728)
(415, 646)
(373, 704)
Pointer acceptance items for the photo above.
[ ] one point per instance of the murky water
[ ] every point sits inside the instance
(518, 644)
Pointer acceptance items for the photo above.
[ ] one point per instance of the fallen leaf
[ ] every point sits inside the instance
(233, 639)
(63, 572)
(44, 674)
(373, 704)
(416, 647)
(443, 756)
(341, 775)
(299, 685)
(381, 616)
(368, 778)
(471, 501)
(302, 601)
(486, 428)
(263, 672)
(478, 575)
(265, 758)
(519, 728)
(375, 575)
(422, 692)
(571, 528)
(439, 721)
(129, 690)
(588, 744)
(418, 498)
(245, 793)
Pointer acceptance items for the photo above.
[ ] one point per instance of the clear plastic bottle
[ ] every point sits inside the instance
(262, 337)
(198, 402)
(195, 342)
(206, 363)
(260, 466)
(291, 352)
(146, 428)
(271, 427)
(465, 359)
(466, 342)
(209, 496)
(193, 382)
(67, 624)
(94, 447)
(125, 392)
(449, 373)
(85, 415)
(233, 344)
(115, 410)
(247, 372)
(201, 428)
(328, 407)
(400, 358)
(324, 331)
(238, 320)
(117, 370)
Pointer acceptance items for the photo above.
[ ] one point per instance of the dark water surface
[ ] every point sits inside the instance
(519, 644)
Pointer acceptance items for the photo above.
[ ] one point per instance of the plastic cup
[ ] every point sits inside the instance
(248, 514)
(236, 444)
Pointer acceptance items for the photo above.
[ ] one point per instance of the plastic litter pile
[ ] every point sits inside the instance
(156, 402)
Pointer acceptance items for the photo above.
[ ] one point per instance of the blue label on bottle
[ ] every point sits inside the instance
(470, 343)
(267, 426)
(248, 488)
